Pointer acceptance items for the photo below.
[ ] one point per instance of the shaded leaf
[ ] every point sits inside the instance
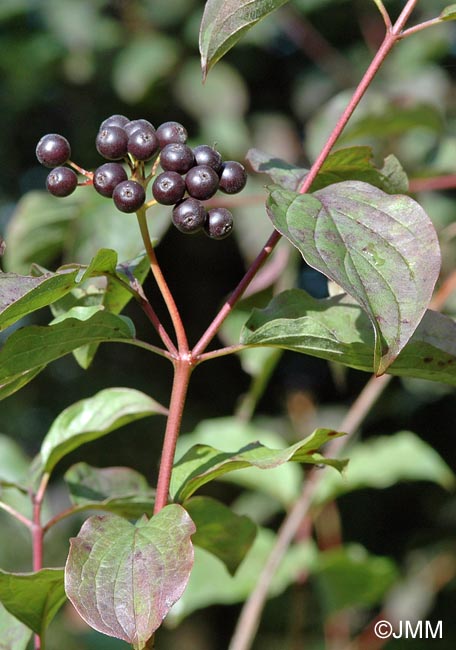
(449, 13)
(123, 578)
(280, 172)
(202, 463)
(220, 531)
(92, 418)
(338, 329)
(15, 635)
(372, 244)
(224, 22)
(383, 461)
(33, 598)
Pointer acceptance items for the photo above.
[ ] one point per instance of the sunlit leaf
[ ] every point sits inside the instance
(449, 13)
(123, 578)
(373, 245)
(225, 21)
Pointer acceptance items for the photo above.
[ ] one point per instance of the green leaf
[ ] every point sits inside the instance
(220, 531)
(121, 490)
(15, 635)
(372, 244)
(211, 584)
(33, 598)
(350, 577)
(337, 329)
(123, 578)
(225, 21)
(202, 463)
(383, 461)
(92, 418)
(449, 13)
(30, 349)
(348, 164)
(283, 484)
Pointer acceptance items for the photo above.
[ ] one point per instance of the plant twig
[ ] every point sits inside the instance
(418, 28)
(385, 15)
(446, 182)
(17, 515)
(37, 538)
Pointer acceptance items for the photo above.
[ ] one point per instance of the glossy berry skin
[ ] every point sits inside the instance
(143, 144)
(128, 196)
(134, 125)
(107, 177)
(112, 142)
(202, 182)
(189, 216)
(171, 132)
(233, 177)
(53, 150)
(206, 155)
(219, 223)
(168, 188)
(177, 157)
(61, 181)
(114, 120)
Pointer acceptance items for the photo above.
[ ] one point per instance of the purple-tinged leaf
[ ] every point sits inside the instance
(373, 245)
(225, 21)
(124, 578)
(33, 598)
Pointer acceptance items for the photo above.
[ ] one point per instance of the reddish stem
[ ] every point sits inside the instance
(37, 535)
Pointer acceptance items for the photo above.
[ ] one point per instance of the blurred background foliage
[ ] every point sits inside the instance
(65, 65)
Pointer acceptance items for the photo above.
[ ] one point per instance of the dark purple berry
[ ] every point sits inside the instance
(143, 144)
(219, 223)
(177, 157)
(189, 216)
(171, 132)
(112, 142)
(202, 182)
(233, 177)
(134, 125)
(206, 155)
(114, 120)
(168, 188)
(128, 196)
(107, 177)
(53, 150)
(61, 181)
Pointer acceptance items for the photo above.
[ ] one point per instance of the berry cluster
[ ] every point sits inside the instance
(188, 177)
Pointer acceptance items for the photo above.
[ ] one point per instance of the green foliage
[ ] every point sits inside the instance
(15, 635)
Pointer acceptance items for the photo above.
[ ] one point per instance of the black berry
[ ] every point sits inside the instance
(206, 155)
(177, 157)
(219, 223)
(233, 177)
(171, 132)
(134, 125)
(128, 196)
(143, 144)
(168, 188)
(61, 181)
(107, 177)
(112, 142)
(202, 182)
(115, 120)
(189, 216)
(53, 150)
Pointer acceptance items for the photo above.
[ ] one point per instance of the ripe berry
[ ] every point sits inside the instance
(107, 177)
(233, 177)
(202, 182)
(189, 216)
(128, 196)
(114, 120)
(134, 125)
(111, 142)
(53, 150)
(168, 188)
(171, 132)
(206, 155)
(142, 143)
(61, 181)
(176, 157)
(219, 223)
